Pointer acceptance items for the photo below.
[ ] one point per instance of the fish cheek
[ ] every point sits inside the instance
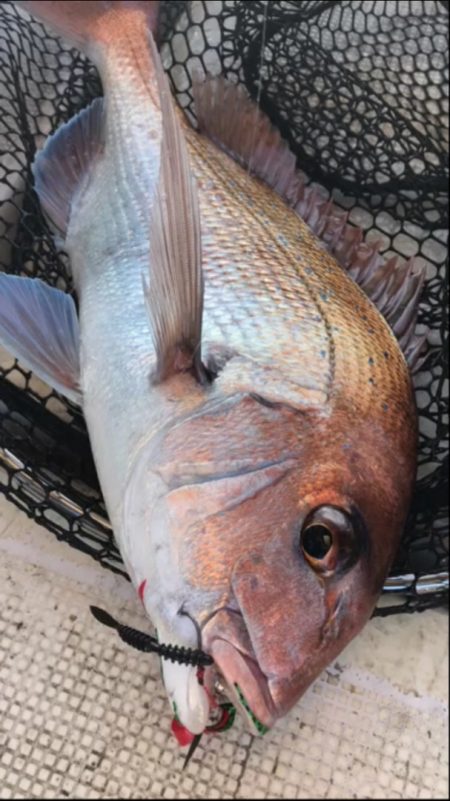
(216, 523)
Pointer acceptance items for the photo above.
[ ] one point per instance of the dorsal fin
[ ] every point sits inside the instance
(65, 162)
(174, 291)
(228, 116)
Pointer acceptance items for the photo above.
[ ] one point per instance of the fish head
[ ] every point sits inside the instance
(279, 527)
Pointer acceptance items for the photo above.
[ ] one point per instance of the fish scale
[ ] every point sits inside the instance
(350, 327)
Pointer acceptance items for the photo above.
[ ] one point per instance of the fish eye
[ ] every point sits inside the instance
(328, 540)
(317, 541)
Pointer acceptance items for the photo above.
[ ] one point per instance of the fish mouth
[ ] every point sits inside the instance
(226, 638)
(246, 685)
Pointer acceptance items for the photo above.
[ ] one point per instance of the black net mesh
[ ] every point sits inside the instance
(360, 90)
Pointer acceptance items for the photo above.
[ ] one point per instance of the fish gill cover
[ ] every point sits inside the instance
(360, 91)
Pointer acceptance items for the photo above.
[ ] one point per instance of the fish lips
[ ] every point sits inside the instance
(247, 686)
(226, 639)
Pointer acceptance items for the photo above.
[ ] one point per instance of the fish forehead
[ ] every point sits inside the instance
(274, 292)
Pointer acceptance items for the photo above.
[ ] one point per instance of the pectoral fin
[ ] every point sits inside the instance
(39, 326)
(174, 289)
(63, 167)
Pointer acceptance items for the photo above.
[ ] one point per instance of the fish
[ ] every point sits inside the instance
(243, 362)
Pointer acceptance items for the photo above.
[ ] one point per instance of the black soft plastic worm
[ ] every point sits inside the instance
(144, 642)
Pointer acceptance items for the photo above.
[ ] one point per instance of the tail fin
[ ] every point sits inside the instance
(77, 20)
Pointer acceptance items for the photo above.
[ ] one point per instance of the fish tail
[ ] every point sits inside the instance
(80, 22)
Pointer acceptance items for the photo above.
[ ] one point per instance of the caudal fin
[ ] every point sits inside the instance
(77, 20)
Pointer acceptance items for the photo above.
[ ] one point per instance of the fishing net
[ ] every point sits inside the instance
(360, 91)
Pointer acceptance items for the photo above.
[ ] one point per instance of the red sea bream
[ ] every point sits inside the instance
(248, 399)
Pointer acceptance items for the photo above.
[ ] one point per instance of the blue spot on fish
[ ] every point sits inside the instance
(385, 407)
(282, 240)
(308, 270)
(324, 296)
(370, 360)
(323, 353)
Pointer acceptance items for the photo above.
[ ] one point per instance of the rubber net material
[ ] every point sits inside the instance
(360, 91)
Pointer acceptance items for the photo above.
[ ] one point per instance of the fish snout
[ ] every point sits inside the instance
(268, 642)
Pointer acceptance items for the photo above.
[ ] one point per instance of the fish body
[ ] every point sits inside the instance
(258, 510)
